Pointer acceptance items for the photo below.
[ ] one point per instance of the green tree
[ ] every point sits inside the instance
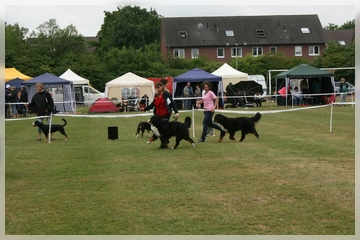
(347, 25)
(130, 27)
(16, 47)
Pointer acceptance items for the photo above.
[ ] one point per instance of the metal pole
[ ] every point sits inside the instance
(236, 50)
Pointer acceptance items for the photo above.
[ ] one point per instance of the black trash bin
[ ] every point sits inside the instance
(113, 133)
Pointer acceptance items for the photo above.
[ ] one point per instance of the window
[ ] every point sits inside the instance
(236, 51)
(133, 92)
(179, 53)
(305, 30)
(260, 33)
(257, 51)
(273, 49)
(194, 53)
(220, 53)
(298, 51)
(182, 34)
(314, 50)
(229, 33)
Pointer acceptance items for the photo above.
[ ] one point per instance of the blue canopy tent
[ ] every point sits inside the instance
(197, 76)
(16, 82)
(60, 89)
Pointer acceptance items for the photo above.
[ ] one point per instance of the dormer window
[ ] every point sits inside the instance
(260, 33)
(182, 34)
(229, 33)
(305, 30)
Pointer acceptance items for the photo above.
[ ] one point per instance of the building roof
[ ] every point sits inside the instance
(243, 30)
(343, 37)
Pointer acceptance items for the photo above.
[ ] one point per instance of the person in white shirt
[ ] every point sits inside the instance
(258, 99)
(296, 94)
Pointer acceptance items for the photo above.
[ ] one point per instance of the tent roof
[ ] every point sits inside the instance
(47, 79)
(12, 73)
(196, 75)
(73, 77)
(304, 71)
(129, 79)
(15, 82)
(226, 71)
(102, 105)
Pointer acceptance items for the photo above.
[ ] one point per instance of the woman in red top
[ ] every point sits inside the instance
(163, 105)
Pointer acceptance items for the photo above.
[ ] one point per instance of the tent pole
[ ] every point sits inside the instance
(49, 134)
(331, 115)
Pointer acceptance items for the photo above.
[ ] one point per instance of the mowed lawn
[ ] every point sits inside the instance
(297, 179)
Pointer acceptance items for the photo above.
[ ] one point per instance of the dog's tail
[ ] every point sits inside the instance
(256, 117)
(187, 121)
(64, 122)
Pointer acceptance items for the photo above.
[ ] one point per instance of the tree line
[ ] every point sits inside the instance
(129, 42)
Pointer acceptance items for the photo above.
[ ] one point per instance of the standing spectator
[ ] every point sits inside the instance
(42, 103)
(188, 93)
(23, 99)
(296, 95)
(197, 91)
(7, 100)
(258, 99)
(14, 100)
(343, 91)
(208, 99)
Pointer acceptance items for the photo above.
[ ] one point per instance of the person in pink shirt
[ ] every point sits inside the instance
(210, 101)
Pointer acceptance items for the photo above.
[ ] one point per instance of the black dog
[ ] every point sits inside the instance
(165, 130)
(142, 126)
(54, 128)
(244, 124)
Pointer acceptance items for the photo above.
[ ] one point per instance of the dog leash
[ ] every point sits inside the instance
(175, 119)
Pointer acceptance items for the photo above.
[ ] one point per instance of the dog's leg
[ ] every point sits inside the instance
(256, 134)
(62, 131)
(151, 139)
(231, 137)
(142, 132)
(190, 141)
(164, 142)
(177, 142)
(243, 133)
(222, 134)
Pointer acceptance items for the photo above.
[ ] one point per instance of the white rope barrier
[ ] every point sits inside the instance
(150, 113)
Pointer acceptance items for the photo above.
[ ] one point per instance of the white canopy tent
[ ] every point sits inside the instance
(230, 75)
(129, 84)
(73, 77)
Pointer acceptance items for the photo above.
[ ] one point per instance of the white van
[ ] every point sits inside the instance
(261, 80)
(86, 94)
(83, 94)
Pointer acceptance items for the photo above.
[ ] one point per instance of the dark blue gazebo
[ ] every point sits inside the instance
(196, 76)
(16, 82)
(61, 90)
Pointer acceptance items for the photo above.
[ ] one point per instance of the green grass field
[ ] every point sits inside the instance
(297, 179)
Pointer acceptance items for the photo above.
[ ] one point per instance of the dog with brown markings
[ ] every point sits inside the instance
(54, 128)
(142, 127)
(244, 124)
(165, 130)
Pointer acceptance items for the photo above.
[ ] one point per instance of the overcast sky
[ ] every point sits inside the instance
(88, 18)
